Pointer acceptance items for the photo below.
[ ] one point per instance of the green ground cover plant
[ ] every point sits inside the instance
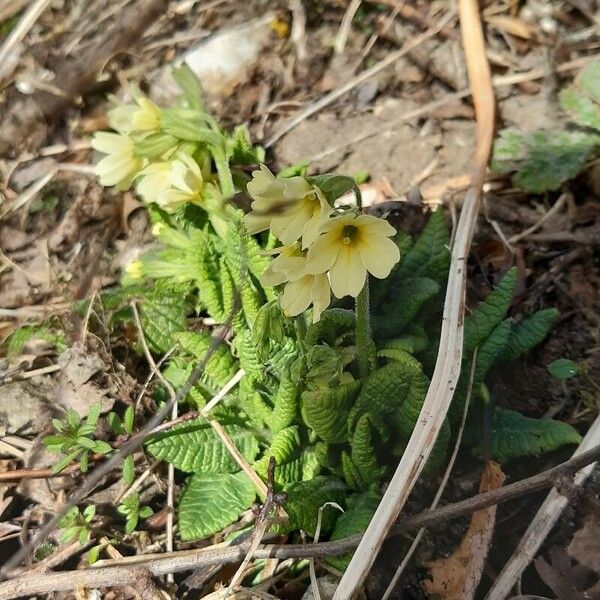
(334, 318)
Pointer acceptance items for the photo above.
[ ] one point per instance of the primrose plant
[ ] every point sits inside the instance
(333, 315)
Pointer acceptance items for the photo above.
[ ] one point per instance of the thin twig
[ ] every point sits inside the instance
(542, 524)
(390, 588)
(449, 358)
(111, 574)
(354, 81)
(553, 210)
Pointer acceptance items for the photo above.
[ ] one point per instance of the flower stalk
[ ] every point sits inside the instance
(364, 339)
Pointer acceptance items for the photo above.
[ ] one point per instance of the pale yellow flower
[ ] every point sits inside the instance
(120, 165)
(134, 269)
(293, 208)
(144, 116)
(351, 246)
(288, 265)
(147, 115)
(299, 294)
(173, 183)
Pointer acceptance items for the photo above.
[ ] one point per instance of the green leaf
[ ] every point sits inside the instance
(114, 422)
(65, 461)
(491, 349)
(130, 523)
(145, 512)
(286, 405)
(286, 449)
(93, 554)
(392, 395)
(408, 297)
(363, 453)
(543, 160)
(430, 256)
(94, 413)
(351, 473)
(333, 186)
(128, 471)
(333, 323)
(194, 447)
(162, 315)
(16, 341)
(89, 512)
(296, 170)
(241, 150)
(479, 324)
(582, 99)
(325, 410)
(306, 497)
(361, 508)
(190, 86)
(413, 343)
(128, 419)
(529, 333)
(101, 447)
(563, 368)
(211, 501)
(514, 435)
(220, 367)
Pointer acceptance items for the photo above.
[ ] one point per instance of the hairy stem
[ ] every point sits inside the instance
(364, 340)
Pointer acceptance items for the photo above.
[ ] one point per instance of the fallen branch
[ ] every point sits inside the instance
(447, 369)
(123, 572)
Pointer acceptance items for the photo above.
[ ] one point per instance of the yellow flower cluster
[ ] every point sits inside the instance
(171, 179)
(321, 251)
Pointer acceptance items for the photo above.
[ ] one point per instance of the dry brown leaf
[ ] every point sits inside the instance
(457, 576)
(75, 388)
(585, 546)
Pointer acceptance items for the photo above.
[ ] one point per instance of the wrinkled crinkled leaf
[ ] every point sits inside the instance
(162, 316)
(529, 333)
(582, 99)
(194, 447)
(355, 519)
(515, 435)
(481, 321)
(306, 497)
(542, 160)
(211, 501)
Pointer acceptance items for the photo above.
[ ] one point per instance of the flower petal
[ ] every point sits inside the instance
(296, 297)
(348, 274)
(378, 254)
(323, 253)
(321, 295)
(374, 226)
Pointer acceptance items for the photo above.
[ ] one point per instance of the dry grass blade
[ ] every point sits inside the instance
(541, 525)
(447, 369)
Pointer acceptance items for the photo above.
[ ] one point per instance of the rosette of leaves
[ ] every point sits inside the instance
(334, 436)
